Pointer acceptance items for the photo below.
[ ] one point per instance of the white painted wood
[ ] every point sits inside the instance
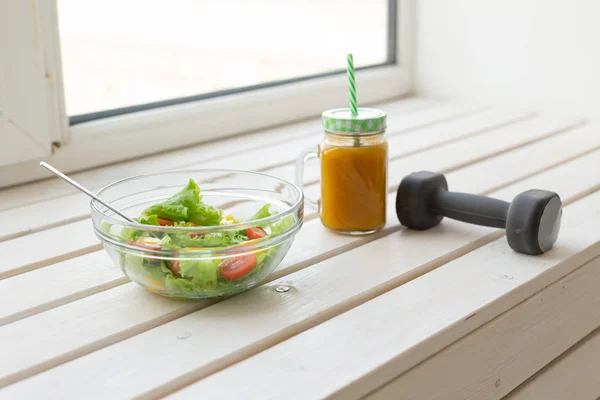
(360, 350)
(46, 247)
(490, 145)
(31, 106)
(427, 138)
(101, 142)
(459, 157)
(456, 129)
(27, 147)
(413, 114)
(577, 171)
(91, 287)
(94, 274)
(485, 145)
(84, 240)
(405, 138)
(96, 178)
(84, 276)
(265, 317)
(560, 148)
(573, 375)
(57, 284)
(92, 323)
(503, 353)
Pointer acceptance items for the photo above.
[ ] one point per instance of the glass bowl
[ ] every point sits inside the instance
(198, 272)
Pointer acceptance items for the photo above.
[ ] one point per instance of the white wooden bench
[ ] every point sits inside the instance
(448, 313)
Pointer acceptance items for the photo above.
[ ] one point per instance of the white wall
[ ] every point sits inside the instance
(542, 54)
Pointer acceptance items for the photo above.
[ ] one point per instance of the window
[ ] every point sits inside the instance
(153, 53)
(165, 75)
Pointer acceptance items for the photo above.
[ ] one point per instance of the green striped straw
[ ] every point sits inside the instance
(352, 85)
(352, 90)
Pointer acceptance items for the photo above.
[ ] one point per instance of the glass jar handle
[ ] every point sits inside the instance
(308, 154)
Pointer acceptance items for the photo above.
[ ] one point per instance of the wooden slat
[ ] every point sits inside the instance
(359, 351)
(578, 172)
(544, 154)
(33, 193)
(57, 284)
(35, 217)
(573, 375)
(524, 131)
(439, 135)
(526, 138)
(486, 146)
(264, 316)
(90, 274)
(313, 244)
(503, 353)
(47, 247)
(536, 136)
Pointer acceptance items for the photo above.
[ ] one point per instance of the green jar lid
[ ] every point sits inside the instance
(341, 120)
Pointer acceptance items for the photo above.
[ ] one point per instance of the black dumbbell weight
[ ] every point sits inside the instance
(531, 220)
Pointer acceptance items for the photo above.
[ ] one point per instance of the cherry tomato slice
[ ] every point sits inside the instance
(238, 266)
(256, 233)
(147, 246)
(164, 221)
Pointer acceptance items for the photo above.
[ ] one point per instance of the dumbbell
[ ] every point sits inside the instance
(531, 220)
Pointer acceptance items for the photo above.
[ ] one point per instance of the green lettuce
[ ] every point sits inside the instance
(282, 226)
(144, 267)
(148, 219)
(180, 287)
(204, 273)
(186, 205)
(119, 232)
(209, 240)
(205, 215)
(167, 243)
(263, 212)
(197, 275)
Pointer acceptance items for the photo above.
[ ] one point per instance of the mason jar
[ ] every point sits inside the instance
(353, 156)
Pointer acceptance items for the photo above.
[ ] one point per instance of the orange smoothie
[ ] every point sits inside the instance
(354, 187)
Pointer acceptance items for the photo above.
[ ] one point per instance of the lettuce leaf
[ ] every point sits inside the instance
(204, 273)
(282, 226)
(148, 219)
(205, 215)
(119, 232)
(186, 205)
(208, 240)
(263, 212)
(179, 287)
(167, 243)
(105, 227)
(144, 267)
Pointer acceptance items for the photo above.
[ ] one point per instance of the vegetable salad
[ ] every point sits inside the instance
(185, 273)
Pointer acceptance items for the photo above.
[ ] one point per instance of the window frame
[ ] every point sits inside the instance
(108, 140)
(32, 114)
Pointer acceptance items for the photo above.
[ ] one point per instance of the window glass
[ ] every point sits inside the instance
(126, 53)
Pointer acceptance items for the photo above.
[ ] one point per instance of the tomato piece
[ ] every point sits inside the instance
(146, 246)
(175, 267)
(164, 221)
(256, 233)
(238, 266)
